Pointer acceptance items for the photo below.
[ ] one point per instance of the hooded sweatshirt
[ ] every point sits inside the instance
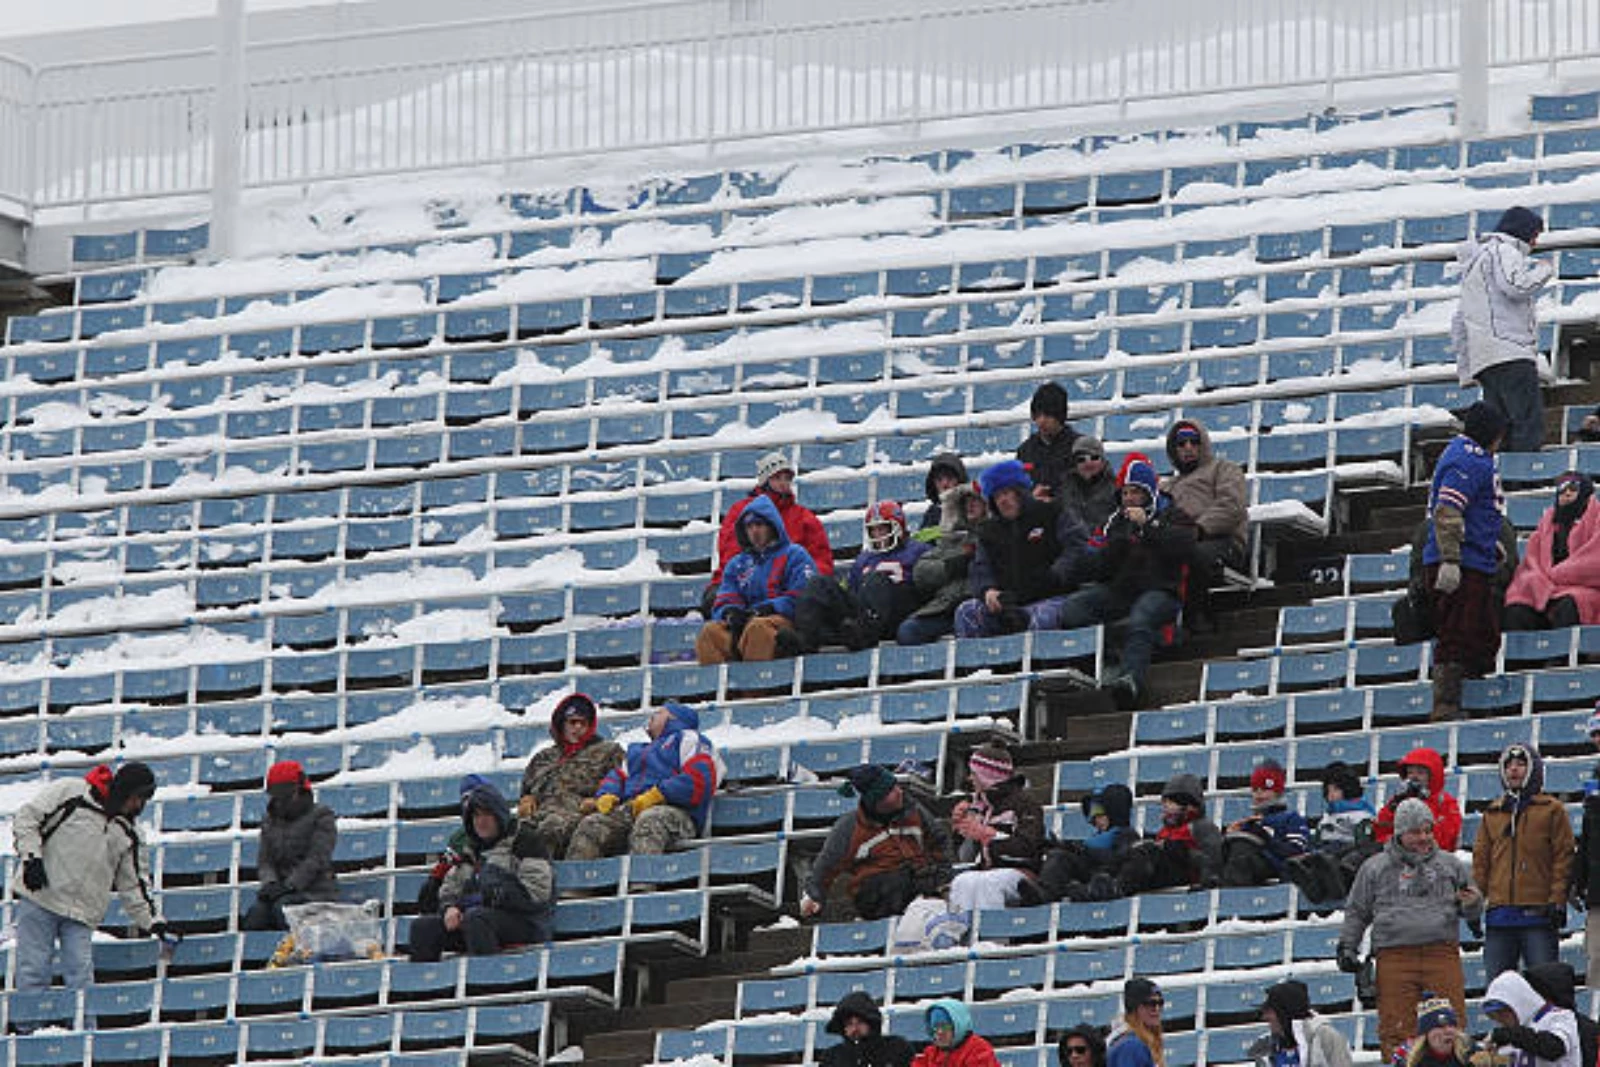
(941, 572)
(969, 1049)
(1408, 898)
(1495, 319)
(1545, 1035)
(1562, 559)
(877, 1049)
(800, 524)
(1557, 983)
(768, 579)
(1312, 1041)
(560, 777)
(1212, 493)
(1191, 828)
(509, 872)
(944, 461)
(681, 763)
(1446, 812)
(1522, 855)
(1116, 800)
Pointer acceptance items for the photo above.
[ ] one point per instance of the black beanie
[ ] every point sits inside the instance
(1483, 424)
(1520, 223)
(1137, 991)
(1290, 999)
(133, 780)
(870, 782)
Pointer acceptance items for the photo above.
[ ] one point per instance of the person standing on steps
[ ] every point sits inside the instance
(1461, 557)
(1521, 859)
(1495, 330)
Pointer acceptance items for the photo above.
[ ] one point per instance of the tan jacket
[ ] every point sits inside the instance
(1214, 494)
(1528, 867)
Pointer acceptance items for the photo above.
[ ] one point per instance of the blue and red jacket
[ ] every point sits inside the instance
(681, 763)
(771, 578)
(1465, 479)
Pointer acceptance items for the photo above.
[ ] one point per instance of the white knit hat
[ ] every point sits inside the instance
(771, 464)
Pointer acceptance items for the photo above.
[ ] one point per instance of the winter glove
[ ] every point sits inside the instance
(527, 806)
(1557, 914)
(271, 891)
(1448, 579)
(1348, 961)
(33, 875)
(605, 802)
(159, 930)
(646, 800)
(735, 619)
(764, 610)
(1475, 928)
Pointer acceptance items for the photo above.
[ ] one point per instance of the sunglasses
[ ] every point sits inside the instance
(1154, 1002)
(1077, 1050)
(1084, 457)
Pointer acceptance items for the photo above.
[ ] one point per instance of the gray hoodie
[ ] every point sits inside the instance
(1407, 898)
(1495, 322)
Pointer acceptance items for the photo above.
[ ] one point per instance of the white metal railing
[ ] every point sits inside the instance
(709, 73)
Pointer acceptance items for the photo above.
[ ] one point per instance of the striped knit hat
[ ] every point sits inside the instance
(990, 765)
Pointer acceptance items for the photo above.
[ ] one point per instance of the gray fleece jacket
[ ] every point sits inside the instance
(89, 855)
(1408, 899)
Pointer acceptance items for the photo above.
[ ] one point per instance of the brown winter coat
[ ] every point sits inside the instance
(1214, 494)
(1529, 868)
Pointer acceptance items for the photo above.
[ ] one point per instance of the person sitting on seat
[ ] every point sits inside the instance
(561, 776)
(1255, 848)
(1028, 555)
(1136, 573)
(295, 853)
(775, 484)
(1557, 584)
(878, 594)
(891, 848)
(1212, 492)
(1529, 1029)
(945, 472)
(1090, 490)
(500, 892)
(1186, 851)
(1343, 838)
(657, 797)
(1001, 832)
(1422, 776)
(941, 572)
(954, 1044)
(1087, 869)
(858, 1022)
(752, 617)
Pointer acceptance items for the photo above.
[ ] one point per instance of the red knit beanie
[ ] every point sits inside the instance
(1269, 775)
(285, 772)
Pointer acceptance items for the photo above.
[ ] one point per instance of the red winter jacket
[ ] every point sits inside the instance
(803, 528)
(1446, 812)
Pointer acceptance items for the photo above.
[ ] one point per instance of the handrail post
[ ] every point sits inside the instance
(1472, 74)
(227, 129)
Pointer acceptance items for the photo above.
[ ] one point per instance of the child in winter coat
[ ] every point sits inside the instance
(954, 1044)
(1341, 841)
(1087, 869)
(1000, 832)
(1187, 850)
(1256, 848)
(1557, 584)
(877, 595)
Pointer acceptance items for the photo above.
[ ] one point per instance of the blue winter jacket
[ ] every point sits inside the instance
(681, 763)
(1283, 833)
(771, 578)
(1124, 1048)
(1465, 479)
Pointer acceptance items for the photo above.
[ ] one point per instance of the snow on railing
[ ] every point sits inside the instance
(708, 74)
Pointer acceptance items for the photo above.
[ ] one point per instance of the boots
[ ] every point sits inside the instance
(1446, 692)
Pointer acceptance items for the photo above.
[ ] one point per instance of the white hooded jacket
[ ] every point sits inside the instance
(1495, 321)
(1513, 990)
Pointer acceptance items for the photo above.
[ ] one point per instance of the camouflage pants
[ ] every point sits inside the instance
(554, 828)
(658, 830)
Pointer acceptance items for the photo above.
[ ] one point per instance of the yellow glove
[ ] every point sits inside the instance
(605, 802)
(646, 800)
(527, 806)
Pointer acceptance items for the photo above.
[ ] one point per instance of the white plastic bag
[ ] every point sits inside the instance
(328, 930)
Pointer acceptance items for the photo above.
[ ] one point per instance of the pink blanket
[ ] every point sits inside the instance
(1539, 581)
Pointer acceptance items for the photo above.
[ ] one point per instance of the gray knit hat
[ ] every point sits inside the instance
(1412, 814)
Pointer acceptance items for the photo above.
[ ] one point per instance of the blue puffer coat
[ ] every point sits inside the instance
(770, 578)
(681, 763)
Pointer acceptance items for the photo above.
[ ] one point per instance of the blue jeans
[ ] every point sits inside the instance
(1503, 945)
(923, 629)
(973, 619)
(1512, 389)
(38, 930)
(1149, 611)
